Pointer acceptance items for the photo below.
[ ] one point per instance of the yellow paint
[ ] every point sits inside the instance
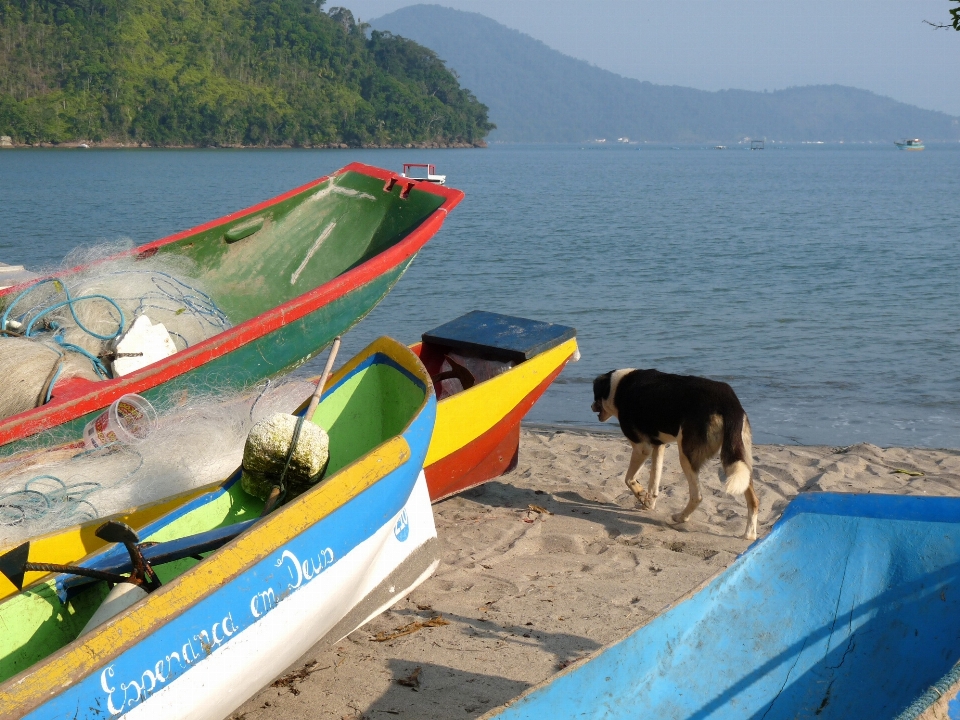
(24, 693)
(467, 415)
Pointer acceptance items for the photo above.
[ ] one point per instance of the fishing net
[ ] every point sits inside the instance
(68, 326)
(195, 443)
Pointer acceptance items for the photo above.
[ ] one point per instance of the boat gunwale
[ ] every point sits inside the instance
(90, 659)
(85, 398)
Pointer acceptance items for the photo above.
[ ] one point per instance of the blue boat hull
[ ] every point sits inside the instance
(850, 608)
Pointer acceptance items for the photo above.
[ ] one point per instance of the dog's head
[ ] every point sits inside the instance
(603, 404)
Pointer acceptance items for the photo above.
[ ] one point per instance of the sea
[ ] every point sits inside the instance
(821, 281)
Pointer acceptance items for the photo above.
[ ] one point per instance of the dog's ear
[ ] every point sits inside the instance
(601, 387)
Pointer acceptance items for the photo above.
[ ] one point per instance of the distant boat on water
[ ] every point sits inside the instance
(915, 144)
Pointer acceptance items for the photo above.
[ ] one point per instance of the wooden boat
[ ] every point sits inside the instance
(291, 274)
(476, 438)
(849, 608)
(218, 630)
(513, 362)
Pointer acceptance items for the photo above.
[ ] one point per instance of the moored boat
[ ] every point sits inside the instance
(422, 171)
(289, 275)
(909, 144)
(848, 608)
(219, 629)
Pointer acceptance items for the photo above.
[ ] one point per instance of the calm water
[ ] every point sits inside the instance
(822, 282)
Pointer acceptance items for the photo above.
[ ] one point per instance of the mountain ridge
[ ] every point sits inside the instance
(537, 94)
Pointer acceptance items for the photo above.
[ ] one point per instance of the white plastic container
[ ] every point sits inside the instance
(128, 420)
(143, 344)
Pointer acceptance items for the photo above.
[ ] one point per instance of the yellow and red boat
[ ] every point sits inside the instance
(489, 370)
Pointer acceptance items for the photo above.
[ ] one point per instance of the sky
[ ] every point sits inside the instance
(878, 45)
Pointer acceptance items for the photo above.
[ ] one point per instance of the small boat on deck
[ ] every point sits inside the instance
(487, 369)
(422, 171)
(221, 626)
(908, 144)
(849, 608)
(289, 275)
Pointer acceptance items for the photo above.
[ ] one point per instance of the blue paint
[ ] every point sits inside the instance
(850, 608)
(402, 529)
(953, 709)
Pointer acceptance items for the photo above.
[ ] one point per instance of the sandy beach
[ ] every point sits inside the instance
(549, 563)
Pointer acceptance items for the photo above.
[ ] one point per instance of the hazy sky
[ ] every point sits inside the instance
(878, 45)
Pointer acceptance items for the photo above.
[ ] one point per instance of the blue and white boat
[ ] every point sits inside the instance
(219, 629)
(849, 608)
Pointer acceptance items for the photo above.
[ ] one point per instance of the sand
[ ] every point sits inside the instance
(524, 591)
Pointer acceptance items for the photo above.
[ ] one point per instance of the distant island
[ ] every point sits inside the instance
(536, 94)
(235, 73)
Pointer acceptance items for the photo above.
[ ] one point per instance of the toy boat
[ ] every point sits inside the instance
(849, 608)
(290, 274)
(218, 630)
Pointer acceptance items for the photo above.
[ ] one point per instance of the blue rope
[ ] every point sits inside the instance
(31, 504)
(197, 303)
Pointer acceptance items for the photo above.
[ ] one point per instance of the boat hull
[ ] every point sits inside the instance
(374, 247)
(312, 571)
(478, 430)
(847, 609)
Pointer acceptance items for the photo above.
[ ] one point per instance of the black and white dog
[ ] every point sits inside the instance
(702, 416)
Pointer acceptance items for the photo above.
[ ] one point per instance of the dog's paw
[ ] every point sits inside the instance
(749, 535)
(678, 518)
(647, 500)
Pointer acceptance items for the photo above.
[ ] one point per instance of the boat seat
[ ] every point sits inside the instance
(500, 337)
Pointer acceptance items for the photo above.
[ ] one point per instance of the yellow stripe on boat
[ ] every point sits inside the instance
(66, 547)
(467, 415)
(80, 658)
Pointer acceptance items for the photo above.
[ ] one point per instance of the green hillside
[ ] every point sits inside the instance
(536, 94)
(221, 72)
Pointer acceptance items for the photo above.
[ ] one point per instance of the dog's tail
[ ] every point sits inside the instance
(736, 452)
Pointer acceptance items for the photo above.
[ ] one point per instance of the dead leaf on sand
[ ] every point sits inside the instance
(412, 680)
(410, 628)
(539, 509)
(287, 681)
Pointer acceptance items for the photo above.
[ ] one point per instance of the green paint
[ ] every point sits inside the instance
(293, 344)
(370, 407)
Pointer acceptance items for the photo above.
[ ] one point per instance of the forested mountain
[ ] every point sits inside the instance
(536, 94)
(221, 72)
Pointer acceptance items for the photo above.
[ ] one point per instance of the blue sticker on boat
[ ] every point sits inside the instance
(402, 528)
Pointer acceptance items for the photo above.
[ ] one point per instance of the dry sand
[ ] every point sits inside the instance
(527, 592)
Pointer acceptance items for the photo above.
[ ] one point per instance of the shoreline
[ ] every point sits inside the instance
(117, 145)
(524, 593)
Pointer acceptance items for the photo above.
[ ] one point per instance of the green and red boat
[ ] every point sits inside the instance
(291, 274)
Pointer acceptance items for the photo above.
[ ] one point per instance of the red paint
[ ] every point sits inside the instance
(67, 406)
